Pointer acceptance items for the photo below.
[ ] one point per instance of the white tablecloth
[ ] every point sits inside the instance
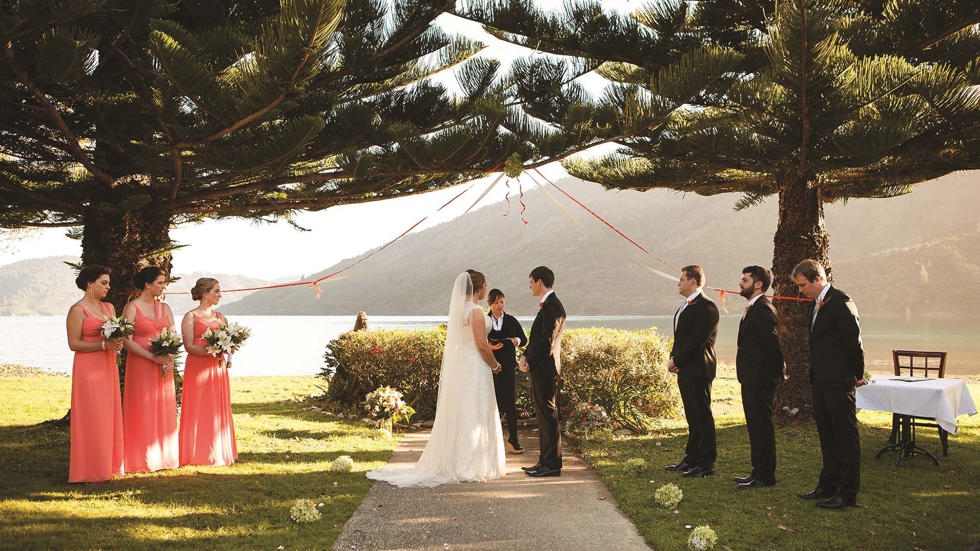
(939, 399)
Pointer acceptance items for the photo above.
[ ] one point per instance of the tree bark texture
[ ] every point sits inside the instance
(800, 234)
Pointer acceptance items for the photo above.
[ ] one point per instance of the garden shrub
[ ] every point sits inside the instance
(623, 371)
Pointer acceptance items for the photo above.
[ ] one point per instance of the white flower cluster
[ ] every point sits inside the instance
(636, 463)
(225, 339)
(166, 343)
(668, 495)
(702, 538)
(117, 328)
(304, 511)
(342, 464)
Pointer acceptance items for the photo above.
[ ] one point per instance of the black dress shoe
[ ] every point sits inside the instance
(680, 467)
(755, 483)
(816, 493)
(743, 479)
(699, 472)
(838, 502)
(542, 472)
(531, 468)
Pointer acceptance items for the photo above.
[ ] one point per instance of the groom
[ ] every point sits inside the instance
(542, 358)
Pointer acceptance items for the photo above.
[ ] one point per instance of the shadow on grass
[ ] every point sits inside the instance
(912, 505)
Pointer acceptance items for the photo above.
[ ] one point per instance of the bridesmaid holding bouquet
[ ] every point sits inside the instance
(150, 402)
(96, 452)
(207, 432)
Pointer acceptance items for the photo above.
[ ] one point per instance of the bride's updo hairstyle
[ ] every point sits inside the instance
(479, 280)
(202, 286)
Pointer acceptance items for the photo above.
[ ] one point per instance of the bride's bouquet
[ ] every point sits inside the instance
(167, 343)
(117, 328)
(226, 339)
(586, 418)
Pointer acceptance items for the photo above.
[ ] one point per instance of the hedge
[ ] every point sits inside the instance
(623, 371)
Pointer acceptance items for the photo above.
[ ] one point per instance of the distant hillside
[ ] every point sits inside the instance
(46, 286)
(913, 255)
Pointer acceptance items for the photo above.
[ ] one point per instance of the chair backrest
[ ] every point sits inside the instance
(917, 363)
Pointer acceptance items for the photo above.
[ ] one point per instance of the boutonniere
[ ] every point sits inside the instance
(822, 302)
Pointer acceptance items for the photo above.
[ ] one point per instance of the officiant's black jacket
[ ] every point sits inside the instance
(836, 352)
(694, 340)
(543, 352)
(510, 328)
(759, 361)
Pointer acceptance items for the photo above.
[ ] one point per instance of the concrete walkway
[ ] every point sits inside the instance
(517, 512)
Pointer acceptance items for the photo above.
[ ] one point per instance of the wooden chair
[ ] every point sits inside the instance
(915, 363)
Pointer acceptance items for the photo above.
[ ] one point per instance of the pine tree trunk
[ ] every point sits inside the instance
(800, 234)
(126, 243)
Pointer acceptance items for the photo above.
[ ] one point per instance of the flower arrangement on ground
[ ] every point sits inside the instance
(225, 340)
(702, 538)
(342, 464)
(304, 510)
(586, 418)
(387, 406)
(167, 343)
(117, 328)
(668, 496)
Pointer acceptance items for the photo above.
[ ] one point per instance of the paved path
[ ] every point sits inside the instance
(517, 512)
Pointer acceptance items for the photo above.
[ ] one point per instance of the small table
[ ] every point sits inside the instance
(939, 399)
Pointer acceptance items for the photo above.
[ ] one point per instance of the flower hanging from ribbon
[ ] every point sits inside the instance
(514, 165)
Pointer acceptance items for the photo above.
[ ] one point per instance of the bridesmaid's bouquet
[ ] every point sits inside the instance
(117, 328)
(167, 343)
(586, 418)
(226, 339)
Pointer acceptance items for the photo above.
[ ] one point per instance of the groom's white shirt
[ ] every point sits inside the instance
(541, 300)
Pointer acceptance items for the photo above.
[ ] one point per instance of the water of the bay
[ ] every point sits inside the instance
(294, 345)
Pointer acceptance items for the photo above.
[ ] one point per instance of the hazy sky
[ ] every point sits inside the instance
(233, 246)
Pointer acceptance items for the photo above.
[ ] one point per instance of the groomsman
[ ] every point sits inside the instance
(692, 359)
(759, 366)
(836, 368)
(542, 358)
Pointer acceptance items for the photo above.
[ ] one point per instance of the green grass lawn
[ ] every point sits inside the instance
(911, 506)
(285, 450)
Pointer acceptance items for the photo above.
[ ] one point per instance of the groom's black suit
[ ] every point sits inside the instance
(543, 355)
(695, 330)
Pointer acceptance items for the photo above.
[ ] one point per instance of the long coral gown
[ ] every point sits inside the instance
(149, 403)
(207, 432)
(96, 451)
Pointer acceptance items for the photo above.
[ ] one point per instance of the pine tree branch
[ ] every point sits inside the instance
(41, 199)
(70, 141)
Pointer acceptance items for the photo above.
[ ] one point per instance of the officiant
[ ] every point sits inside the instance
(506, 336)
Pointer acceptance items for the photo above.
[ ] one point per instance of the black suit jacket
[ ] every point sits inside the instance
(510, 328)
(694, 339)
(543, 352)
(759, 361)
(836, 352)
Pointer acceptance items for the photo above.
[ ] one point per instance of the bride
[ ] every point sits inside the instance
(466, 443)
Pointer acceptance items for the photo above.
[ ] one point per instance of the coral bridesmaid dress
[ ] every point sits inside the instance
(96, 453)
(149, 403)
(207, 432)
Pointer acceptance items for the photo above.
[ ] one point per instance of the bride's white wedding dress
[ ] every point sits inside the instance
(466, 443)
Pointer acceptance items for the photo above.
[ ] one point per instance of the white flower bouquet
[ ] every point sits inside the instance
(386, 405)
(226, 339)
(342, 464)
(702, 538)
(167, 343)
(304, 511)
(117, 328)
(668, 496)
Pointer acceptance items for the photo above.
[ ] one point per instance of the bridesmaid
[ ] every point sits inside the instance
(149, 403)
(96, 452)
(207, 432)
